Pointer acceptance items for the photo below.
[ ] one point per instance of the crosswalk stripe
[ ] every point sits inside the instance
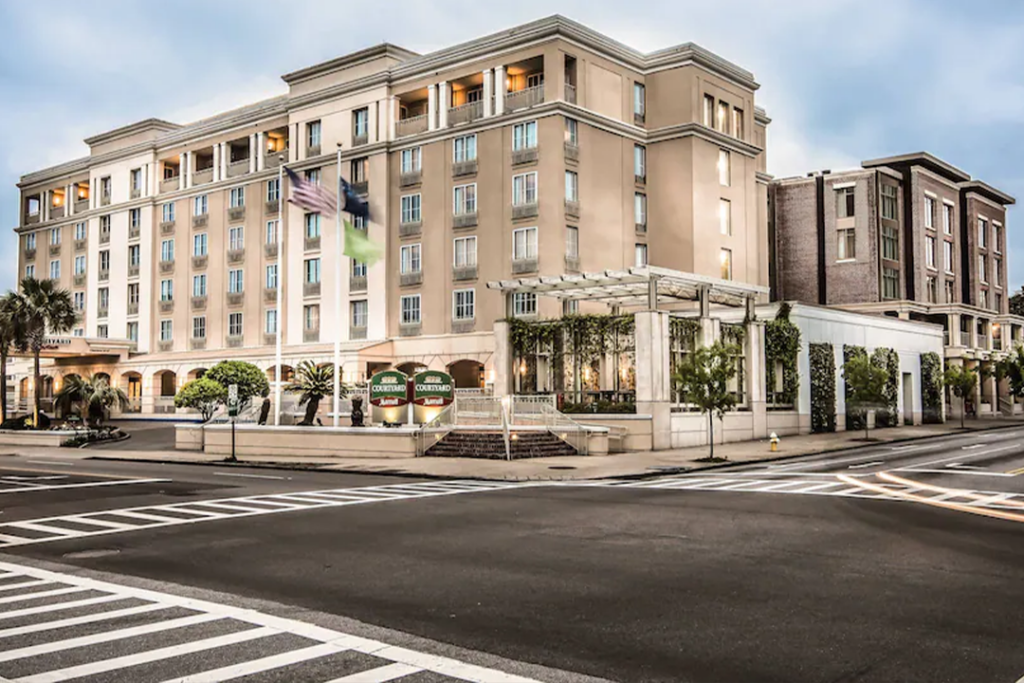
(256, 666)
(56, 606)
(40, 594)
(106, 636)
(24, 584)
(46, 528)
(140, 515)
(99, 522)
(78, 621)
(381, 674)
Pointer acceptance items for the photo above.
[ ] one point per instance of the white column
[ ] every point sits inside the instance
(44, 206)
(216, 162)
(189, 164)
(261, 151)
(154, 179)
(431, 107)
(488, 92)
(653, 370)
(499, 90)
(252, 152)
(225, 158)
(293, 142)
(374, 123)
(443, 104)
(69, 201)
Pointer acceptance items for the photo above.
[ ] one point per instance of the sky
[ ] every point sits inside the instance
(842, 80)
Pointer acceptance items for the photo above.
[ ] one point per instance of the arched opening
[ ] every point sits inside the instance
(287, 373)
(165, 385)
(411, 368)
(103, 376)
(196, 374)
(131, 384)
(467, 374)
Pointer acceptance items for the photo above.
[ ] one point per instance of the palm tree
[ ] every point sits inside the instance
(313, 383)
(44, 309)
(12, 338)
(93, 397)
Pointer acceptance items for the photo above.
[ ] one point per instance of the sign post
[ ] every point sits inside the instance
(233, 414)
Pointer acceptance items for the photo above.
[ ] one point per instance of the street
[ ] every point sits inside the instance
(891, 562)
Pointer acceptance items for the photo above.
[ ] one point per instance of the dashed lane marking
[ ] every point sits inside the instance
(45, 529)
(200, 625)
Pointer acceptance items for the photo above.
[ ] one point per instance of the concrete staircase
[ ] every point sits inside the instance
(490, 444)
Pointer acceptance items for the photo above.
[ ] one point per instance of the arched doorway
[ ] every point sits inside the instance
(196, 374)
(411, 368)
(165, 386)
(131, 384)
(467, 374)
(287, 373)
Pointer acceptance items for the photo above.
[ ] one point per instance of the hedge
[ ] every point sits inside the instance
(854, 418)
(823, 388)
(931, 388)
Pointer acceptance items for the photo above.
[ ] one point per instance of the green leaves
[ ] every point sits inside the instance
(203, 394)
(313, 382)
(823, 388)
(961, 380)
(931, 387)
(703, 377)
(782, 344)
(250, 379)
(1012, 369)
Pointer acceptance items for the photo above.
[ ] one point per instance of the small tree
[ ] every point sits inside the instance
(961, 382)
(203, 394)
(703, 378)
(1017, 303)
(313, 383)
(91, 398)
(865, 383)
(1012, 369)
(250, 379)
(43, 308)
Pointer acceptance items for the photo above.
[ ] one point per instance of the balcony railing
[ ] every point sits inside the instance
(236, 213)
(167, 306)
(197, 343)
(136, 193)
(572, 152)
(269, 338)
(235, 341)
(521, 99)
(409, 279)
(105, 199)
(311, 243)
(199, 303)
(408, 178)
(56, 212)
(167, 227)
(80, 280)
(269, 295)
(104, 276)
(202, 177)
(271, 159)
(639, 118)
(32, 218)
(460, 273)
(465, 113)
(55, 249)
(360, 139)
(572, 208)
(166, 267)
(170, 184)
(461, 168)
(362, 187)
(570, 93)
(311, 336)
(525, 155)
(410, 229)
(524, 265)
(311, 289)
(312, 151)
(464, 220)
(81, 205)
(236, 255)
(357, 332)
(104, 237)
(133, 270)
(463, 326)
(236, 298)
(201, 220)
(410, 329)
(81, 245)
(199, 262)
(411, 126)
(572, 264)
(527, 210)
(270, 250)
(133, 309)
(357, 283)
(164, 346)
(238, 168)
(102, 312)
(134, 232)
(271, 207)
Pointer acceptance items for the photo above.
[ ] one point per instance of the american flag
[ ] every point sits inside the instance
(310, 196)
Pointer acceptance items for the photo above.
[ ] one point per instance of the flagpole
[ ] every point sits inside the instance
(337, 298)
(280, 286)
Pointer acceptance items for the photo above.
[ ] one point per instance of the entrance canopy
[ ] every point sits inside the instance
(648, 287)
(109, 350)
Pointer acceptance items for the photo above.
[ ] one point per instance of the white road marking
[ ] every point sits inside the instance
(972, 473)
(972, 456)
(223, 665)
(865, 464)
(62, 463)
(972, 446)
(83, 485)
(250, 476)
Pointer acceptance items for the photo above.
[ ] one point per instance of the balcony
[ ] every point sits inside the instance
(524, 156)
(572, 208)
(312, 151)
(269, 339)
(55, 249)
(172, 184)
(641, 228)
(357, 332)
(237, 168)
(202, 178)
(359, 139)
(410, 229)
(271, 207)
(357, 283)
(167, 306)
(235, 341)
(463, 326)
(80, 280)
(409, 178)
(133, 309)
(167, 228)
(236, 213)
(464, 220)
(410, 279)
(81, 205)
(639, 118)
(104, 236)
(199, 303)
(465, 113)
(30, 254)
(236, 255)
(134, 232)
(105, 199)
(311, 243)
(200, 221)
(640, 179)
(135, 193)
(56, 212)
(236, 298)
(199, 262)
(462, 273)
(311, 336)
(270, 250)
(311, 289)
(524, 265)
(410, 329)
(522, 99)
(273, 159)
(528, 210)
(165, 346)
(269, 295)
(462, 168)
(411, 126)
(133, 270)
(32, 218)
(81, 245)
(102, 312)
(104, 276)
(570, 93)
(572, 152)
(197, 343)
(572, 264)
(360, 188)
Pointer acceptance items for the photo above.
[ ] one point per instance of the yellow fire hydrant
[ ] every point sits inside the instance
(775, 442)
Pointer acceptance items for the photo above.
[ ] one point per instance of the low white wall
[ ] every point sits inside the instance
(188, 437)
(31, 438)
(691, 429)
(315, 442)
(788, 423)
(638, 429)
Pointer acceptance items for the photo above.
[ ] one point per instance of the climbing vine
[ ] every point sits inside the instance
(823, 388)
(683, 332)
(734, 334)
(931, 387)
(854, 418)
(888, 360)
(782, 346)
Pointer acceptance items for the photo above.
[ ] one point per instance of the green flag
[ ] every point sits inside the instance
(360, 247)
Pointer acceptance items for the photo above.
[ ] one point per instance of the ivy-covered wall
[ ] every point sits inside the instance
(782, 345)
(889, 360)
(854, 418)
(823, 388)
(931, 388)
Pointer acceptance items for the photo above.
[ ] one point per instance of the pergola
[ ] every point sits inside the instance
(648, 287)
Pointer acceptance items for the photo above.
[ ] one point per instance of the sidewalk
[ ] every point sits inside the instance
(638, 464)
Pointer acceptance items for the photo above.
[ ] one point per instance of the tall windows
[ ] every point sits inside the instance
(890, 243)
(572, 136)
(997, 237)
(411, 160)
(725, 261)
(983, 233)
(358, 268)
(722, 116)
(315, 176)
(524, 135)
(360, 313)
(237, 197)
(200, 204)
(236, 238)
(410, 309)
(167, 212)
(312, 226)
(997, 272)
(524, 244)
(572, 242)
(134, 256)
(167, 251)
(464, 252)
(932, 288)
(270, 321)
(104, 260)
(270, 276)
(737, 122)
(639, 255)
(199, 244)
(236, 281)
(103, 331)
(55, 270)
(524, 189)
(199, 285)
(524, 303)
(134, 218)
(311, 317)
(361, 122)
(709, 111)
(724, 168)
(359, 170)
(311, 270)
(313, 129)
(929, 212)
(410, 259)
(135, 180)
(464, 304)
(929, 251)
(639, 101)
(572, 186)
(167, 290)
(410, 205)
(79, 301)
(30, 241)
(845, 204)
(103, 295)
(640, 210)
(890, 283)
(464, 149)
(724, 217)
(889, 201)
(464, 199)
(273, 190)
(82, 230)
(947, 219)
(982, 269)
(199, 327)
(947, 256)
(55, 236)
(80, 265)
(640, 162)
(104, 228)
(950, 292)
(271, 233)
(133, 294)
(846, 244)
(234, 324)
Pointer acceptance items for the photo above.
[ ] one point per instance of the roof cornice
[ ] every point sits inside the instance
(348, 61)
(131, 129)
(987, 191)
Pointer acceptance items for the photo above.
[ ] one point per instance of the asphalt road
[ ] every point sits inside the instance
(780, 572)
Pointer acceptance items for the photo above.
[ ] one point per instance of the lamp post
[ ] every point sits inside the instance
(337, 298)
(280, 286)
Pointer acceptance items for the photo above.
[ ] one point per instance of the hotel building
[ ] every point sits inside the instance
(541, 150)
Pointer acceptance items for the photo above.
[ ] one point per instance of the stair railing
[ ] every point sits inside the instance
(506, 404)
(566, 429)
(435, 430)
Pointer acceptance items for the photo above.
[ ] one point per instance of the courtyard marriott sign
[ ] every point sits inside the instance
(389, 395)
(431, 392)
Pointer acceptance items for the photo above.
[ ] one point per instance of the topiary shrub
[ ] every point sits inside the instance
(889, 360)
(250, 379)
(781, 346)
(823, 388)
(931, 388)
(854, 418)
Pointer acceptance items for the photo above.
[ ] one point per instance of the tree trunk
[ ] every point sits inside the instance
(3, 386)
(711, 433)
(38, 388)
(312, 406)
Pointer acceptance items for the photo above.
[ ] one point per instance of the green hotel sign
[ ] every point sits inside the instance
(433, 389)
(389, 389)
